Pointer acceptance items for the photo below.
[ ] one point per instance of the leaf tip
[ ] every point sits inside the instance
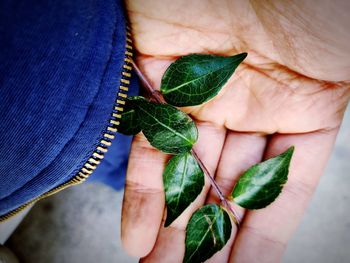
(240, 57)
(289, 152)
(171, 216)
(168, 221)
(244, 55)
(291, 149)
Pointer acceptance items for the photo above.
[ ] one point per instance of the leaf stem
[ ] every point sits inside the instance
(213, 183)
(157, 96)
(154, 94)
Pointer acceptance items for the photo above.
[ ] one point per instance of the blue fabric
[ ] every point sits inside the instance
(60, 69)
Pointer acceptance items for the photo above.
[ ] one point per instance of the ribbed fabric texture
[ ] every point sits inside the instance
(60, 69)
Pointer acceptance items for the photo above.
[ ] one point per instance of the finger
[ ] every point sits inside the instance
(170, 243)
(143, 203)
(264, 233)
(241, 150)
(169, 247)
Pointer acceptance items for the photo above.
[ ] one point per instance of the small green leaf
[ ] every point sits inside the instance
(165, 127)
(194, 79)
(260, 185)
(207, 232)
(129, 123)
(183, 181)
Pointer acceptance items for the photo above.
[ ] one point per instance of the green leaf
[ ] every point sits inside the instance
(194, 79)
(207, 232)
(129, 123)
(183, 181)
(165, 127)
(260, 185)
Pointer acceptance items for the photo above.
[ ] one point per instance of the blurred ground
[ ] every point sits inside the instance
(81, 224)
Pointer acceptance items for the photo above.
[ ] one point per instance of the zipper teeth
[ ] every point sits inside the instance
(106, 140)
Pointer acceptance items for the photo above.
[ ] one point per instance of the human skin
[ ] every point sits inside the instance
(292, 89)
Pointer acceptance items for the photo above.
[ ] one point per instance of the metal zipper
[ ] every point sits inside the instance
(106, 141)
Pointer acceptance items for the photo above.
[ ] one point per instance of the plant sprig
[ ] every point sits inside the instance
(193, 80)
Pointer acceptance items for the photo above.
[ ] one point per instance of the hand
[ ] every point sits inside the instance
(292, 89)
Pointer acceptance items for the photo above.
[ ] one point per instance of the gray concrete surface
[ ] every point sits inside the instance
(78, 225)
(81, 224)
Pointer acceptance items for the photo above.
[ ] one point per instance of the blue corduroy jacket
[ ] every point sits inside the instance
(64, 75)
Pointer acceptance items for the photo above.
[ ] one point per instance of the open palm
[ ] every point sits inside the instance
(292, 89)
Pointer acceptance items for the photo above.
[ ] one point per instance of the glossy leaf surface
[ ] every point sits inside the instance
(183, 181)
(129, 123)
(262, 183)
(207, 232)
(194, 79)
(165, 127)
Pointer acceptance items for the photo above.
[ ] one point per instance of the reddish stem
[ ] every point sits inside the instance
(157, 96)
(154, 94)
